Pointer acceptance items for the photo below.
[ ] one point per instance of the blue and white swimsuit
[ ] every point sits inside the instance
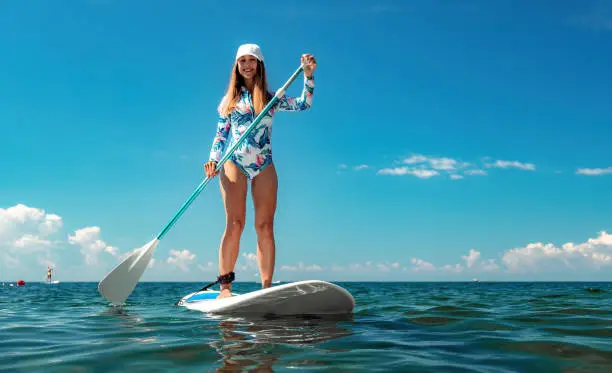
(255, 152)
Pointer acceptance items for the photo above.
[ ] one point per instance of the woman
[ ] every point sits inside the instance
(246, 96)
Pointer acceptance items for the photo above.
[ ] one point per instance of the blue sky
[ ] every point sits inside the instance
(447, 140)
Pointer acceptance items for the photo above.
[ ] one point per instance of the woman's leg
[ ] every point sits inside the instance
(264, 190)
(233, 190)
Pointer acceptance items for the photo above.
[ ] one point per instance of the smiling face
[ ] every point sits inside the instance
(247, 67)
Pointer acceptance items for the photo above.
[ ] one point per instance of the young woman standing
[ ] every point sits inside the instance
(247, 94)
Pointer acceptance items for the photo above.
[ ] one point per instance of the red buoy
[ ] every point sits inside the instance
(20, 283)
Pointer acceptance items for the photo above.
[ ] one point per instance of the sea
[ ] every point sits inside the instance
(493, 327)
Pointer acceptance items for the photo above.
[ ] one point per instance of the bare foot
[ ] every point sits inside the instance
(225, 293)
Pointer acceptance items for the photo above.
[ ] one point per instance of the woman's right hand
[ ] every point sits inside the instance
(209, 168)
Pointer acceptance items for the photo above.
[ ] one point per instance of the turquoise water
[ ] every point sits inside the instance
(396, 327)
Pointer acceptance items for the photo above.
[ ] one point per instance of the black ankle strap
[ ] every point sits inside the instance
(226, 278)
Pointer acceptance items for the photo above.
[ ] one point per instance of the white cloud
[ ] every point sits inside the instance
(424, 174)
(593, 253)
(25, 229)
(250, 262)
(210, 266)
(436, 163)
(489, 265)
(394, 171)
(29, 243)
(425, 167)
(594, 171)
(250, 256)
(443, 163)
(512, 164)
(471, 264)
(453, 268)
(475, 172)
(471, 257)
(416, 158)
(302, 267)
(360, 167)
(420, 173)
(421, 265)
(181, 258)
(88, 239)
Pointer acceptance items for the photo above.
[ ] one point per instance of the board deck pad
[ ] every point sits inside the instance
(312, 297)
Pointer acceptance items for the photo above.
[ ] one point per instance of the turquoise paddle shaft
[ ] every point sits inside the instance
(229, 153)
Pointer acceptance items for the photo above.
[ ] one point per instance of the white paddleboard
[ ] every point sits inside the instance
(311, 297)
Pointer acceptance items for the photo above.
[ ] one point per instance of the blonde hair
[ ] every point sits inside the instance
(261, 96)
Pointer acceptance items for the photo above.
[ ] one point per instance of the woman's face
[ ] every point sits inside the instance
(247, 66)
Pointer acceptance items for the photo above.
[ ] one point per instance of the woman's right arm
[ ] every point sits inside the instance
(220, 140)
(218, 146)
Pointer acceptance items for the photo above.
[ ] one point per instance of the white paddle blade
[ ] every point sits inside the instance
(117, 286)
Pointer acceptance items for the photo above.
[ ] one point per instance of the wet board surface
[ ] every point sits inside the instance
(313, 297)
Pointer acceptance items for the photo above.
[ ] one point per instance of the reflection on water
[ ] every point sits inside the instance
(256, 343)
(125, 316)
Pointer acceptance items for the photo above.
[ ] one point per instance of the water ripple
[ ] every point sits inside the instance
(396, 327)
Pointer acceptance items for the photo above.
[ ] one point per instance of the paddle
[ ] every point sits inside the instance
(119, 283)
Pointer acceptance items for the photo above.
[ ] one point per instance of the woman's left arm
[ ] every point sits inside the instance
(303, 102)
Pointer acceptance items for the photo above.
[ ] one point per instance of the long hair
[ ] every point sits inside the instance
(261, 96)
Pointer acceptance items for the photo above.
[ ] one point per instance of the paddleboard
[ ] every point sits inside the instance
(52, 282)
(312, 297)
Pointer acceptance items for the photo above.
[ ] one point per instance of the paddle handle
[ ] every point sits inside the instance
(229, 153)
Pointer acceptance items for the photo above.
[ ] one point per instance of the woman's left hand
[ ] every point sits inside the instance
(310, 63)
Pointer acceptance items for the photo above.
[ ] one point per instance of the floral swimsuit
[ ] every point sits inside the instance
(255, 152)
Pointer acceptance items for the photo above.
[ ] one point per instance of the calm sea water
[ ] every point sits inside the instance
(396, 327)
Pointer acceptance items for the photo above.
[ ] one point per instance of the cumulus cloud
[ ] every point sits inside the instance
(252, 257)
(471, 257)
(471, 260)
(25, 229)
(181, 259)
(88, 239)
(594, 253)
(421, 265)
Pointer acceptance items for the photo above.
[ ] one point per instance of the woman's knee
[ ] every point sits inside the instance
(234, 226)
(264, 228)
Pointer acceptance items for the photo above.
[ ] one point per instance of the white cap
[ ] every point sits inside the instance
(251, 49)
